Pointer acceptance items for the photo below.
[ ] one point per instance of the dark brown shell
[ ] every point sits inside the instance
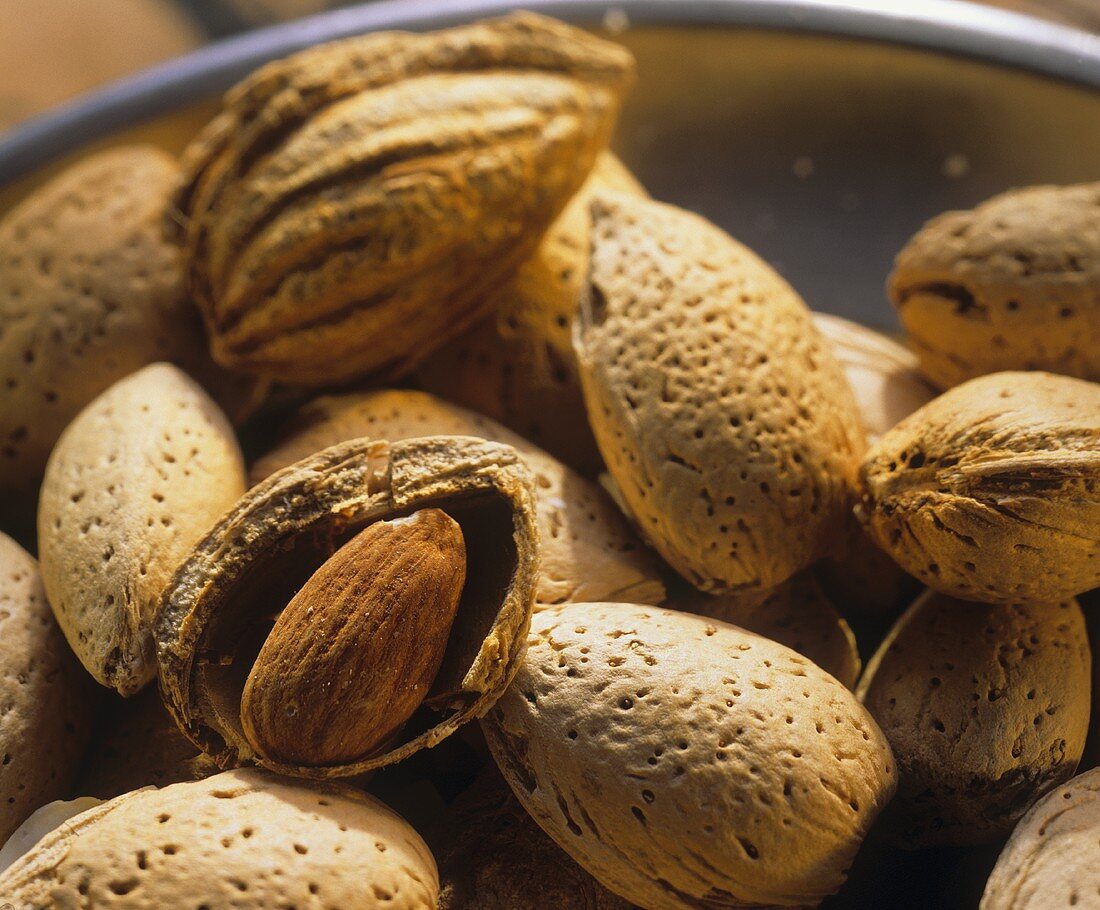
(220, 605)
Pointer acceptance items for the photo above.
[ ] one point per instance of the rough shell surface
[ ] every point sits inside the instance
(492, 856)
(1052, 859)
(718, 408)
(134, 481)
(264, 549)
(685, 762)
(91, 289)
(1009, 285)
(137, 744)
(986, 707)
(588, 552)
(797, 614)
(518, 365)
(991, 492)
(239, 839)
(884, 376)
(356, 204)
(48, 701)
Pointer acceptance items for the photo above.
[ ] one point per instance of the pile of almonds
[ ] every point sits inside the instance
(527, 447)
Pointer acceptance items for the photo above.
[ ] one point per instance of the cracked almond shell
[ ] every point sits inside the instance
(588, 551)
(718, 407)
(1009, 285)
(221, 603)
(134, 481)
(518, 365)
(355, 205)
(685, 762)
(243, 838)
(47, 701)
(92, 289)
(1051, 859)
(991, 492)
(986, 707)
(797, 614)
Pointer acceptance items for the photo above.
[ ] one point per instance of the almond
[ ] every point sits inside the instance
(355, 651)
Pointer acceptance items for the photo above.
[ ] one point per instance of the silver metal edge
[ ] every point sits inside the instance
(948, 26)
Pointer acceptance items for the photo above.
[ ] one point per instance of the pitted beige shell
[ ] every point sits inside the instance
(220, 606)
(137, 744)
(587, 550)
(1052, 860)
(797, 614)
(518, 365)
(141, 473)
(719, 410)
(47, 701)
(1009, 285)
(991, 492)
(91, 289)
(492, 856)
(884, 376)
(356, 204)
(986, 707)
(687, 763)
(244, 839)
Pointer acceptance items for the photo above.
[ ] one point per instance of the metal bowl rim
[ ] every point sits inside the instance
(954, 27)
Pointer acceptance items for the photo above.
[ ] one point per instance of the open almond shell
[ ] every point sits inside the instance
(214, 614)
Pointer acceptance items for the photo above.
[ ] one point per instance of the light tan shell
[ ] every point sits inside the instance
(719, 410)
(884, 376)
(1052, 860)
(587, 550)
(355, 205)
(47, 702)
(137, 744)
(243, 839)
(221, 604)
(91, 290)
(492, 856)
(986, 707)
(1009, 285)
(991, 492)
(687, 763)
(518, 365)
(141, 473)
(797, 614)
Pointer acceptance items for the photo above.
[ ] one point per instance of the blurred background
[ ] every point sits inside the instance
(53, 50)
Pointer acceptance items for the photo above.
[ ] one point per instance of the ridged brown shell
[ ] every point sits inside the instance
(220, 606)
(991, 492)
(356, 204)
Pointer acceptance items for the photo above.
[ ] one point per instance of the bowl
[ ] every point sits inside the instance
(822, 133)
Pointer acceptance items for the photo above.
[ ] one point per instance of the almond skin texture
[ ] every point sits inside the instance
(796, 614)
(217, 611)
(92, 289)
(644, 741)
(355, 651)
(492, 856)
(588, 550)
(48, 700)
(132, 484)
(720, 412)
(244, 839)
(986, 707)
(355, 205)
(991, 492)
(518, 366)
(1052, 859)
(1009, 285)
(137, 744)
